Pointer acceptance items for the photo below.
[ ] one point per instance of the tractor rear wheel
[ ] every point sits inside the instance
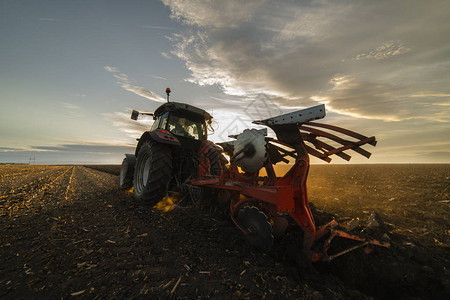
(126, 172)
(153, 172)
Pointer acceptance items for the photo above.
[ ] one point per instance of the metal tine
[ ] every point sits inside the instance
(310, 150)
(322, 145)
(341, 130)
(336, 139)
(317, 154)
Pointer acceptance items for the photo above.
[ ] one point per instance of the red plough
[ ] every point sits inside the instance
(259, 203)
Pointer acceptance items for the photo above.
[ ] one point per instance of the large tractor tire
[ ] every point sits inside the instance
(153, 172)
(127, 171)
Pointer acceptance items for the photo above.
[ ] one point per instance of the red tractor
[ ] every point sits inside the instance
(175, 155)
(170, 152)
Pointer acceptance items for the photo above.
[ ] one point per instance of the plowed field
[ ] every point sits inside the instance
(67, 231)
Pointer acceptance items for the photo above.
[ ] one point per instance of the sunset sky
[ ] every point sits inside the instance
(71, 71)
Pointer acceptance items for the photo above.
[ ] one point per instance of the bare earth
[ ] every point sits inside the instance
(67, 231)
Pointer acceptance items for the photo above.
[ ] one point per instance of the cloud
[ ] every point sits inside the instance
(166, 55)
(124, 82)
(429, 94)
(227, 64)
(158, 77)
(216, 15)
(111, 69)
(157, 27)
(8, 149)
(132, 128)
(363, 58)
(388, 49)
(50, 20)
(72, 109)
(372, 100)
(70, 106)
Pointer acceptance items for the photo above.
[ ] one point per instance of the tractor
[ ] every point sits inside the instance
(169, 153)
(175, 156)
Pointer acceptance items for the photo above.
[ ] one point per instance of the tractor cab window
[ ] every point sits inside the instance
(163, 121)
(183, 126)
(155, 123)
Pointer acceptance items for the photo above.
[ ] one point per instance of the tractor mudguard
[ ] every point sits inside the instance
(157, 135)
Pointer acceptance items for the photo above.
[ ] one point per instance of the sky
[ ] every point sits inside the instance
(72, 71)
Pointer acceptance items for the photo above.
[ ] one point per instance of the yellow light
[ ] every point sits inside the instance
(166, 204)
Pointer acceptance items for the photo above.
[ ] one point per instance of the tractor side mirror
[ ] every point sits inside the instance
(134, 115)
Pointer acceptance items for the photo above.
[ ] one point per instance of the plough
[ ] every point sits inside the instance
(259, 204)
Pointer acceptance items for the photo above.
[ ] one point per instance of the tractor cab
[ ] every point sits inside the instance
(178, 124)
(182, 120)
(185, 122)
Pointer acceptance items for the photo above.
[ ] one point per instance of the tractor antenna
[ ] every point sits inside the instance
(168, 94)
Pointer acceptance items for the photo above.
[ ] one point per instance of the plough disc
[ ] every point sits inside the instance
(259, 231)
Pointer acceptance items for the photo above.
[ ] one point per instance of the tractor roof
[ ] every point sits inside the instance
(182, 108)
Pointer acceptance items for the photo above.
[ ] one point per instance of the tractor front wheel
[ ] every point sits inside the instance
(152, 172)
(126, 172)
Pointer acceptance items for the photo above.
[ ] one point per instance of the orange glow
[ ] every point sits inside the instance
(166, 204)
(130, 191)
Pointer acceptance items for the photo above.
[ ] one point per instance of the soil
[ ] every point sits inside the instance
(68, 231)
